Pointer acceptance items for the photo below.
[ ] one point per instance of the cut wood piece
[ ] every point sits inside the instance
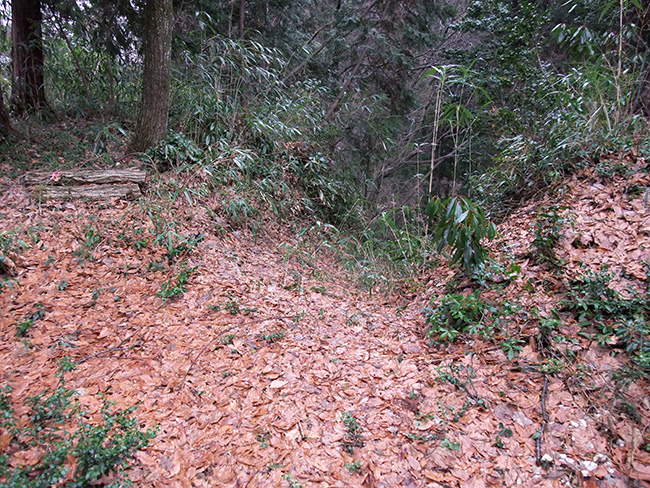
(85, 176)
(90, 192)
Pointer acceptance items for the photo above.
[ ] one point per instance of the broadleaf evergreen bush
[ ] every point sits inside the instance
(461, 225)
(73, 451)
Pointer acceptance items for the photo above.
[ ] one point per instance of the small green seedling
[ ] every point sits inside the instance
(292, 482)
(263, 438)
(227, 339)
(23, 326)
(273, 337)
(503, 432)
(353, 434)
(451, 445)
(173, 288)
(354, 467)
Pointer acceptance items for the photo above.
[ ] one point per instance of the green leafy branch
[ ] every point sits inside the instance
(461, 225)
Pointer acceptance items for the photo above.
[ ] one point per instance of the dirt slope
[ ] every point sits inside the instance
(266, 372)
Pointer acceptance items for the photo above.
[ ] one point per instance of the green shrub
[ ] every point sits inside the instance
(402, 236)
(634, 335)
(175, 151)
(23, 326)
(234, 90)
(175, 287)
(68, 442)
(549, 117)
(239, 210)
(460, 314)
(620, 323)
(353, 433)
(461, 225)
(592, 301)
(10, 246)
(548, 229)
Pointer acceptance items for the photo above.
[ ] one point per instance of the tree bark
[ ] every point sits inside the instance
(242, 17)
(129, 191)
(642, 97)
(154, 109)
(111, 84)
(28, 90)
(85, 176)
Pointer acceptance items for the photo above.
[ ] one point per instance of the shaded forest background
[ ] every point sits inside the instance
(397, 100)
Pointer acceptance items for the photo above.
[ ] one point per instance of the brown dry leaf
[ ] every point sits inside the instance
(278, 383)
(251, 404)
(640, 471)
(29, 457)
(5, 439)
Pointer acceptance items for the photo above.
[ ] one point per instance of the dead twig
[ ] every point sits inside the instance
(220, 335)
(538, 438)
(476, 352)
(113, 349)
(101, 353)
(444, 485)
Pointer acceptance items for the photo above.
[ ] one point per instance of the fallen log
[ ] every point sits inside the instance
(89, 192)
(85, 176)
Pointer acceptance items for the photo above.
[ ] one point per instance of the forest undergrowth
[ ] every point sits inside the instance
(212, 337)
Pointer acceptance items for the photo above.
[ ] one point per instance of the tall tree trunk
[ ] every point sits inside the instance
(154, 110)
(641, 102)
(109, 71)
(242, 17)
(28, 90)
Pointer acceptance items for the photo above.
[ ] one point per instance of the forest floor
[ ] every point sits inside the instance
(269, 371)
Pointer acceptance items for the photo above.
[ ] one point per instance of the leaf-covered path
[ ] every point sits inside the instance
(269, 372)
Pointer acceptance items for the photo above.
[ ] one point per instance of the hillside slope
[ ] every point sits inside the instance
(268, 372)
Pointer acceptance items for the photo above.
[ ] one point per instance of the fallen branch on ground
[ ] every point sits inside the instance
(220, 335)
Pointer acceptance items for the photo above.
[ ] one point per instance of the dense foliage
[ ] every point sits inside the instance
(407, 100)
(62, 445)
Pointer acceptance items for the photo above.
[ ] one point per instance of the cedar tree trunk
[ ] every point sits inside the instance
(242, 16)
(642, 96)
(28, 90)
(154, 110)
